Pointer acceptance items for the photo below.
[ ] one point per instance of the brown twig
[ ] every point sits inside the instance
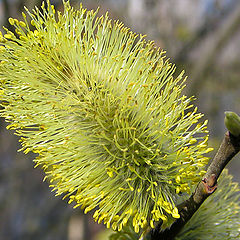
(229, 147)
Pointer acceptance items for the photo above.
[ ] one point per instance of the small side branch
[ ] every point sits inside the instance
(229, 147)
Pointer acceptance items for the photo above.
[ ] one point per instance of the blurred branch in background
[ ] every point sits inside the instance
(208, 26)
(219, 38)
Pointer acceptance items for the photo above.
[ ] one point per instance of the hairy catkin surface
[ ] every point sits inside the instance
(103, 110)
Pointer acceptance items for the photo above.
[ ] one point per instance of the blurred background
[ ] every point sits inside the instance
(201, 36)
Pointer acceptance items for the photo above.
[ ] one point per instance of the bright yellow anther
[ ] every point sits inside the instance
(178, 190)
(152, 223)
(209, 150)
(110, 173)
(193, 140)
(22, 24)
(178, 179)
(23, 38)
(32, 22)
(8, 36)
(11, 21)
(136, 228)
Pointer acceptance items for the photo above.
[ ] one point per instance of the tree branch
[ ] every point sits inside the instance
(218, 39)
(229, 147)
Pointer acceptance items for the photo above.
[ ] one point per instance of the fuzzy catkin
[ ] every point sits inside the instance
(105, 113)
(218, 217)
